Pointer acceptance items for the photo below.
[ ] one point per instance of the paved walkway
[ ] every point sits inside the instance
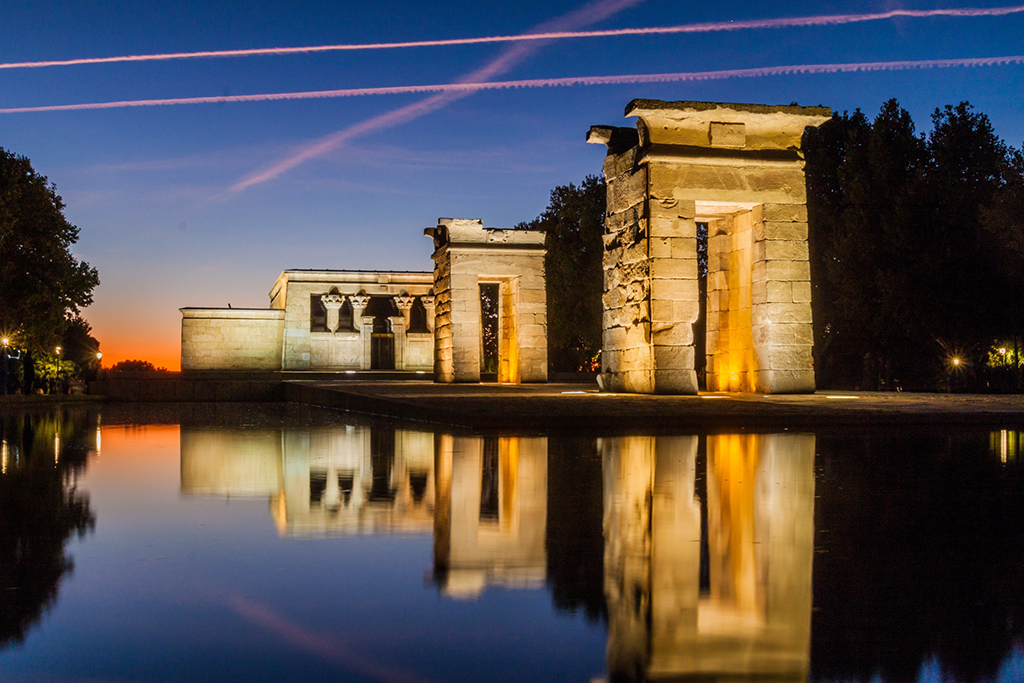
(576, 406)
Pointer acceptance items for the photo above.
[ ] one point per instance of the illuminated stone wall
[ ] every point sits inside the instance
(466, 255)
(231, 339)
(284, 338)
(739, 169)
(348, 348)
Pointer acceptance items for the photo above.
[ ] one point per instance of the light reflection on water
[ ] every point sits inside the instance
(417, 555)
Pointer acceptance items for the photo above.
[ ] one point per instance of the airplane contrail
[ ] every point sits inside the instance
(569, 81)
(710, 27)
(590, 13)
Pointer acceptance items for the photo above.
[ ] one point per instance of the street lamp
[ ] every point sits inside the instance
(58, 371)
(3, 370)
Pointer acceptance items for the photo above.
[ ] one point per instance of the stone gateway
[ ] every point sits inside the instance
(737, 169)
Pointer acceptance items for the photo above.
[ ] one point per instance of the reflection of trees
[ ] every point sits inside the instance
(575, 541)
(919, 554)
(40, 508)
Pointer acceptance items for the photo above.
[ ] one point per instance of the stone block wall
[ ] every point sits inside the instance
(781, 321)
(231, 339)
(739, 169)
(345, 349)
(467, 255)
(731, 365)
(627, 358)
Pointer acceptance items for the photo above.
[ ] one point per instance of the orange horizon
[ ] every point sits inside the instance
(162, 356)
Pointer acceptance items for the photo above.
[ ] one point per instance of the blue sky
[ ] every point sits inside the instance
(149, 187)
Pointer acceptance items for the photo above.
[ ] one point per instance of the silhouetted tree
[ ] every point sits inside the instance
(134, 366)
(574, 223)
(43, 285)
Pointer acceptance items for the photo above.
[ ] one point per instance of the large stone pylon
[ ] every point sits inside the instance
(739, 169)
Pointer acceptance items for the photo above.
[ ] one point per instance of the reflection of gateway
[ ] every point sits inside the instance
(350, 480)
(742, 609)
(491, 515)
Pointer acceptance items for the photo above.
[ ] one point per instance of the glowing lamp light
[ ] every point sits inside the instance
(956, 361)
(58, 350)
(5, 341)
(99, 356)
(1002, 350)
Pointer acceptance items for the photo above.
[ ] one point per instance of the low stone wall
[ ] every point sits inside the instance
(163, 387)
(231, 338)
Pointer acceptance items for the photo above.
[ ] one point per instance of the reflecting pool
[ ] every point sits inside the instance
(264, 543)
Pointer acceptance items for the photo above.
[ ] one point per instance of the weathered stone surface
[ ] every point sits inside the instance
(785, 213)
(758, 298)
(466, 255)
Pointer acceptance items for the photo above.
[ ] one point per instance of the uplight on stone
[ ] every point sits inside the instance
(739, 169)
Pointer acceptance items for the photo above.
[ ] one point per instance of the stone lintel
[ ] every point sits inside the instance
(728, 127)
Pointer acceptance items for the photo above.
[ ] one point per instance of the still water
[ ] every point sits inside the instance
(249, 543)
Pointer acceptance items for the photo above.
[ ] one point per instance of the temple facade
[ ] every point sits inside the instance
(319, 320)
(732, 172)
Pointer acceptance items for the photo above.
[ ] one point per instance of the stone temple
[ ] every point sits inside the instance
(732, 172)
(739, 170)
(341, 321)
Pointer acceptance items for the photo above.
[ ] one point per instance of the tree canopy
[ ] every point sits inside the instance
(916, 247)
(574, 223)
(44, 286)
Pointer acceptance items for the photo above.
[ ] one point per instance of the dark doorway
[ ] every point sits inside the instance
(700, 328)
(489, 343)
(382, 352)
(382, 340)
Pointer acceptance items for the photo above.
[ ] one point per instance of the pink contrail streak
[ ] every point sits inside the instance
(711, 27)
(755, 72)
(590, 13)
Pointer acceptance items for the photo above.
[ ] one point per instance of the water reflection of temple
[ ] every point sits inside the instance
(491, 515)
(715, 590)
(707, 541)
(320, 482)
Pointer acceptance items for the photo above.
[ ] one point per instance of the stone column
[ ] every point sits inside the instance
(359, 302)
(365, 334)
(399, 323)
(428, 305)
(363, 325)
(332, 302)
(404, 303)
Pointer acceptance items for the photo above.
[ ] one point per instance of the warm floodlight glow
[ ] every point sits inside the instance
(956, 361)
(712, 396)
(574, 392)
(842, 397)
(6, 342)
(350, 372)
(1002, 350)
(99, 356)
(58, 350)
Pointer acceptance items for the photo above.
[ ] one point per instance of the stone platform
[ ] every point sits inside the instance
(580, 406)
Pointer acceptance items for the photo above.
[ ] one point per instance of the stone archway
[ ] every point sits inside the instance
(739, 169)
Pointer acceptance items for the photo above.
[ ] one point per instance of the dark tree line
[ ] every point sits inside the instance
(574, 223)
(917, 251)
